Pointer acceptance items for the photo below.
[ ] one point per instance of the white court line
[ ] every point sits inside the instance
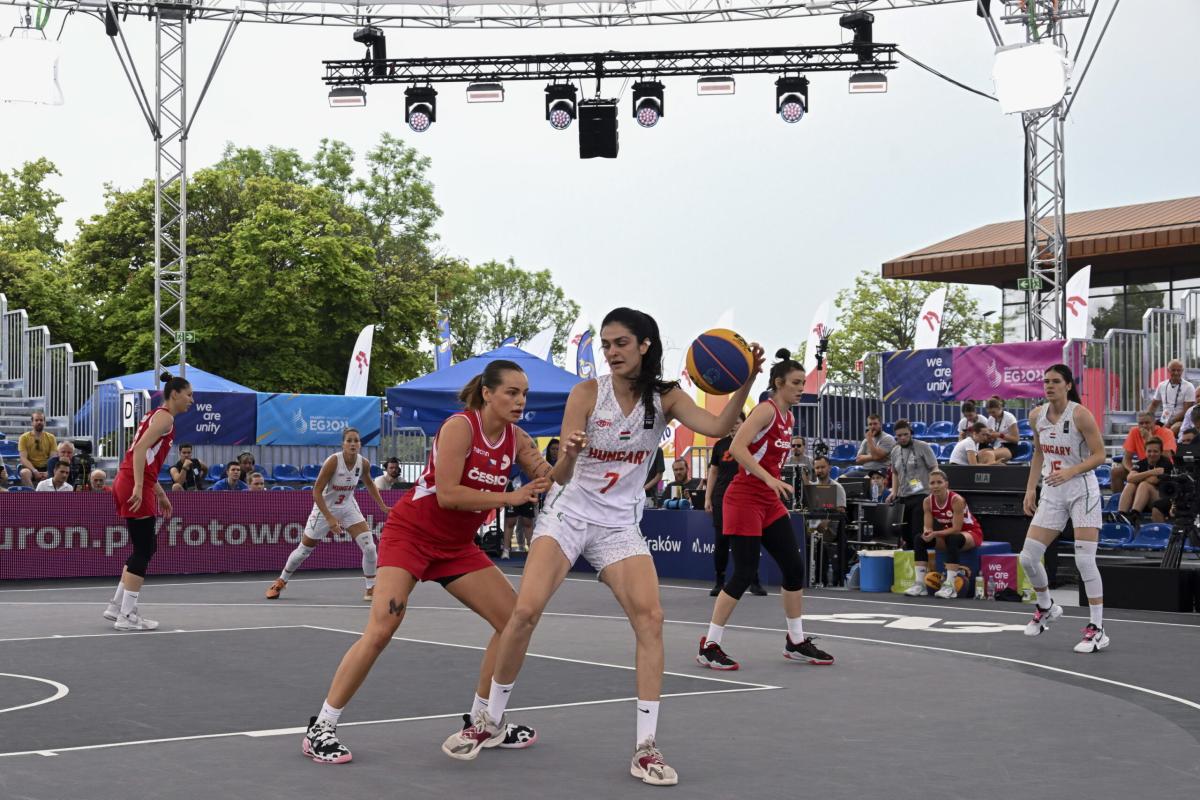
(60, 690)
(156, 585)
(146, 634)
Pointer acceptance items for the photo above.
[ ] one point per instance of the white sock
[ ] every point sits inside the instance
(129, 603)
(498, 700)
(715, 632)
(116, 601)
(919, 573)
(478, 703)
(329, 713)
(949, 577)
(796, 629)
(1096, 614)
(1044, 600)
(370, 581)
(647, 720)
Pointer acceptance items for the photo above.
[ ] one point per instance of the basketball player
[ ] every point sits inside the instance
(949, 520)
(1067, 448)
(140, 498)
(335, 510)
(596, 515)
(430, 536)
(755, 516)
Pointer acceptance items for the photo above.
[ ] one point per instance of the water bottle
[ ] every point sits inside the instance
(829, 572)
(978, 587)
(991, 588)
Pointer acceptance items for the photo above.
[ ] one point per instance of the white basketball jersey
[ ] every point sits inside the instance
(339, 492)
(1062, 445)
(608, 487)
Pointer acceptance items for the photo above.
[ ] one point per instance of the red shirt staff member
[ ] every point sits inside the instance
(139, 498)
(947, 520)
(430, 536)
(755, 515)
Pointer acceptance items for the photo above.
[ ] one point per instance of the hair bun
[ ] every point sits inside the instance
(166, 376)
(783, 354)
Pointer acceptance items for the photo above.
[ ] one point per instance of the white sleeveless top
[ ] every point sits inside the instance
(608, 487)
(339, 492)
(1062, 445)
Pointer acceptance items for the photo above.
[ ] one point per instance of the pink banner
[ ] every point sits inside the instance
(1009, 370)
(44, 535)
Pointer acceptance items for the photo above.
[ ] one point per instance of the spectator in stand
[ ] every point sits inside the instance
(58, 480)
(97, 482)
(972, 451)
(35, 447)
(879, 490)
(390, 476)
(874, 450)
(1173, 398)
(683, 485)
(821, 470)
(1003, 434)
(246, 462)
(1135, 447)
(66, 455)
(3, 477)
(912, 461)
(232, 480)
(969, 417)
(189, 473)
(799, 460)
(257, 482)
(1188, 436)
(1140, 492)
(654, 474)
(1191, 421)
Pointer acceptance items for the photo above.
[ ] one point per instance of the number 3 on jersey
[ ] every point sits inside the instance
(612, 478)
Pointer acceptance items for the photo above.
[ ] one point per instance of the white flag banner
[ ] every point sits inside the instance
(817, 330)
(1079, 311)
(929, 321)
(574, 336)
(540, 344)
(360, 363)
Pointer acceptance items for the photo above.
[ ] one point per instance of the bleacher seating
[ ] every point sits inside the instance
(216, 472)
(1024, 453)
(946, 451)
(844, 453)
(287, 473)
(1024, 429)
(1151, 537)
(310, 472)
(164, 475)
(282, 488)
(376, 471)
(1111, 503)
(834, 471)
(19, 488)
(918, 427)
(942, 429)
(1104, 476)
(1116, 535)
(8, 449)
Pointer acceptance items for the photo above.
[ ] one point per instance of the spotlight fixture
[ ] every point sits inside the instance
(860, 22)
(485, 93)
(420, 107)
(791, 98)
(648, 106)
(376, 43)
(598, 129)
(868, 83)
(347, 97)
(561, 107)
(715, 84)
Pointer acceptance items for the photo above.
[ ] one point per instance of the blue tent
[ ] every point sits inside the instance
(427, 401)
(200, 380)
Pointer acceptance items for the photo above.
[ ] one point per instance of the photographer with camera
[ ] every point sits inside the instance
(1141, 489)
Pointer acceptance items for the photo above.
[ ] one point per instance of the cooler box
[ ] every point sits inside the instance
(875, 572)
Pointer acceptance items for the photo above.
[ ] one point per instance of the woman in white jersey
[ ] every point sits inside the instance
(1067, 448)
(336, 510)
(596, 515)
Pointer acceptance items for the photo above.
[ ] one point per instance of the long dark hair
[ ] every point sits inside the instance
(649, 380)
(785, 366)
(1065, 372)
(171, 385)
(492, 376)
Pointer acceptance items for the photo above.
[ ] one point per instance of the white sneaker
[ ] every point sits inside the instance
(466, 744)
(947, 591)
(916, 590)
(649, 767)
(112, 612)
(1094, 640)
(134, 622)
(1042, 617)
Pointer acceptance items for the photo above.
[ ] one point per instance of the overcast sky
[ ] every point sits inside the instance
(722, 205)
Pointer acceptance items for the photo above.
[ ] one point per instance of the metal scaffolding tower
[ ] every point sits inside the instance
(170, 188)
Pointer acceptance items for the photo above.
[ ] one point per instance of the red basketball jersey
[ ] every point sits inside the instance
(943, 516)
(486, 469)
(156, 455)
(770, 449)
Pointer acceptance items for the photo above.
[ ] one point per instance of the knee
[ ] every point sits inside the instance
(175, 487)
(648, 621)
(1031, 555)
(525, 618)
(376, 637)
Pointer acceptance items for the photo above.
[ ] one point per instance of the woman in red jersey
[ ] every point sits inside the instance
(950, 521)
(756, 516)
(140, 498)
(430, 536)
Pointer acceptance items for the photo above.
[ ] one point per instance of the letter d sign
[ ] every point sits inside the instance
(127, 411)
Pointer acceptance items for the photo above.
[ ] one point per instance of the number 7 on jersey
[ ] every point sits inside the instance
(612, 478)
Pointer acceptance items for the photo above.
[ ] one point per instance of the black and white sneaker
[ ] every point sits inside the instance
(1042, 619)
(806, 651)
(321, 744)
(516, 735)
(1094, 640)
(712, 656)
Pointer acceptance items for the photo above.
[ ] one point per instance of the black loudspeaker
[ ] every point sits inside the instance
(1146, 586)
(598, 129)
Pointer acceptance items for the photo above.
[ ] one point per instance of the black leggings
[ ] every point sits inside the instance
(954, 542)
(720, 540)
(779, 540)
(914, 524)
(143, 533)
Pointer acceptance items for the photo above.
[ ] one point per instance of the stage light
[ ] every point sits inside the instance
(347, 97)
(648, 106)
(485, 93)
(561, 107)
(598, 129)
(860, 22)
(715, 84)
(376, 43)
(420, 107)
(868, 83)
(791, 98)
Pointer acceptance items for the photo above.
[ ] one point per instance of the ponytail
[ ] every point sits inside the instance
(784, 366)
(492, 376)
(171, 385)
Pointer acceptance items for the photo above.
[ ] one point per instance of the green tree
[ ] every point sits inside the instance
(879, 314)
(496, 300)
(1128, 308)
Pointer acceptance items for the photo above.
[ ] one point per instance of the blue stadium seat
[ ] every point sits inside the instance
(1104, 476)
(1024, 429)
(1116, 535)
(282, 488)
(1111, 503)
(1024, 453)
(946, 451)
(1152, 537)
(834, 471)
(844, 453)
(376, 471)
(19, 488)
(216, 472)
(918, 427)
(942, 429)
(310, 472)
(286, 473)
(9, 450)
(164, 475)
(889, 428)
(305, 488)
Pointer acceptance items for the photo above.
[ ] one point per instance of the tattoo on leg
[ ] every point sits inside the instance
(395, 608)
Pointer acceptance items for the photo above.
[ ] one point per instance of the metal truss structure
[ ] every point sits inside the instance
(582, 66)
